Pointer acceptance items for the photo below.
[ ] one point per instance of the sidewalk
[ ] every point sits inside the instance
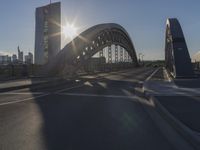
(160, 85)
(180, 105)
(23, 83)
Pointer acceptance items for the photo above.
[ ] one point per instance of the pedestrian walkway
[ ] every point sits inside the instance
(160, 85)
(183, 102)
(13, 84)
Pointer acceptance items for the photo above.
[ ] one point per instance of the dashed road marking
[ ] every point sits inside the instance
(31, 98)
(147, 79)
(69, 88)
(59, 92)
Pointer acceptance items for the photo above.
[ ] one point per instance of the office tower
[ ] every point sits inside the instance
(29, 58)
(47, 32)
(20, 55)
(14, 58)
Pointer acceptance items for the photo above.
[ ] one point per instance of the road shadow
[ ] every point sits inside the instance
(185, 108)
(75, 121)
(188, 83)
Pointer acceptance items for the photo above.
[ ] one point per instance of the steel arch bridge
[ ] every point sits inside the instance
(177, 58)
(76, 53)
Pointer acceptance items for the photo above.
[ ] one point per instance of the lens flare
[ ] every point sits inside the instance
(69, 31)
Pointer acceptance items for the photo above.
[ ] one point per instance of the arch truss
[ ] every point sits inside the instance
(177, 58)
(93, 40)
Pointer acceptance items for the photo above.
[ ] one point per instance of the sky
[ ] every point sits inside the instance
(144, 20)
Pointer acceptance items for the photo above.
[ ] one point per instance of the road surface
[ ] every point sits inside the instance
(93, 113)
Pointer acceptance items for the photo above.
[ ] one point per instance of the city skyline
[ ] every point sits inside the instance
(144, 21)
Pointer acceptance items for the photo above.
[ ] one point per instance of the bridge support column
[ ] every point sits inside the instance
(116, 53)
(110, 57)
(125, 56)
(101, 53)
(121, 56)
(109, 54)
(129, 58)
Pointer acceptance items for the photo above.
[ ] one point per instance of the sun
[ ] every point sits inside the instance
(69, 31)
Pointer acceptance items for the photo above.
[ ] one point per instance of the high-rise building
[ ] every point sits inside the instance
(5, 59)
(20, 55)
(196, 57)
(29, 58)
(47, 32)
(196, 60)
(14, 58)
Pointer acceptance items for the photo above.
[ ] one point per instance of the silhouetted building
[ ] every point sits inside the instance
(47, 32)
(5, 59)
(20, 55)
(196, 60)
(196, 57)
(95, 63)
(14, 58)
(29, 58)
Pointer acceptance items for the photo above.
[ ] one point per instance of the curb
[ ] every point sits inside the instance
(182, 129)
(188, 134)
(7, 89)
(168, 76)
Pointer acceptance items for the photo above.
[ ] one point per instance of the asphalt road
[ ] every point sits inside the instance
(185, 108)
(91, 113)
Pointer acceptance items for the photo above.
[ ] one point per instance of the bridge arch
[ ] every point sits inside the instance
(177, 58)
(88, 43)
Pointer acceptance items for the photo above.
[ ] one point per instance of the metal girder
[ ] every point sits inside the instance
(116, 53)
(129, 58)
(109, 54)
(101, 53)
(121, 54)
(125, 56)
(75, 54)
(177, 58)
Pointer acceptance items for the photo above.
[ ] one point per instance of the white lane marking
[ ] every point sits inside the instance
(21, 93)
(69, 88)
(59, 93)
(97, 95)
(148, 78)
(75, 87)
(102, 84)
(27, 99)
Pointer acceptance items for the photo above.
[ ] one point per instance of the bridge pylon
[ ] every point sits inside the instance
(177, 58)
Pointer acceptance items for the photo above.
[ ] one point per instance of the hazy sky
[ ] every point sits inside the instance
(143, 19)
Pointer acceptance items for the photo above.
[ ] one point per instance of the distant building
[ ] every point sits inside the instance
(29, 58)
(94, 63)
(97, 60)
(47, 32)
(20, 55)
(196, 60)
(5, 59)
(14, 58)
(196, 57)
